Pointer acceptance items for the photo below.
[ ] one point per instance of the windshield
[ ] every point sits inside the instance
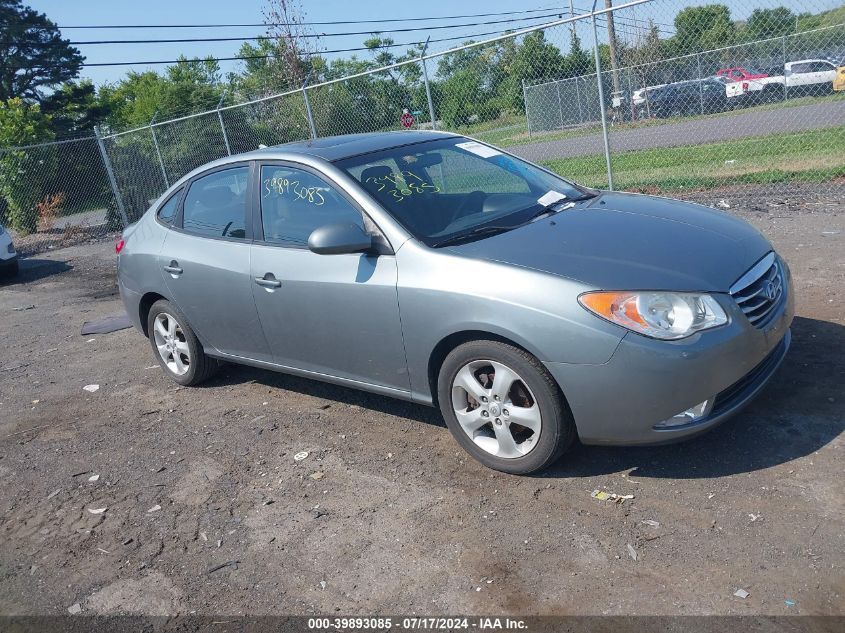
(445, 188)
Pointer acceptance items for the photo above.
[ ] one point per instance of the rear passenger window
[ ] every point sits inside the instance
(216, 204)
(167, 212)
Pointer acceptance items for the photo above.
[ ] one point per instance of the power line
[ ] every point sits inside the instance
(623, 21)
(307, 35)
(464, 37)
(380, 21)
(340, 50)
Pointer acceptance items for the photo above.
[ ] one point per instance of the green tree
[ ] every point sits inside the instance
(765, 23)
(534, 60)
(704, 28)
(189, 86)
(469, 85)
(23, 172)
(578, 62)
(75, 108)
(33, 55)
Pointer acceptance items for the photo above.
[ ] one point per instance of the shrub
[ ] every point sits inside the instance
(48, 210)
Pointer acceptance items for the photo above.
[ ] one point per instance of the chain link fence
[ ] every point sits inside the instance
(56, 194)
(647, 95)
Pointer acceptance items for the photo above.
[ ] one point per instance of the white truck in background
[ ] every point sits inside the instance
(805, 76)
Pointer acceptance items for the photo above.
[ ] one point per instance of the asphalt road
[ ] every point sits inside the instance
(693, 132)
(95, 217)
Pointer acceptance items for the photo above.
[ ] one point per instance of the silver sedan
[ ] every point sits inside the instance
(435, 268)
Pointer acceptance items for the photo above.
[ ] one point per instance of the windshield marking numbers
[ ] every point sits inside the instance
(403, 187)
(283, 186)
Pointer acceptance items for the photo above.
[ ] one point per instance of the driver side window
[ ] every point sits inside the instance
(216, 204)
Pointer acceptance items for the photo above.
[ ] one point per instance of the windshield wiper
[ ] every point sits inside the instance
(549, 209)
(475, 233)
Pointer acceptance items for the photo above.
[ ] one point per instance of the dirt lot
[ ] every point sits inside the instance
(387, 515)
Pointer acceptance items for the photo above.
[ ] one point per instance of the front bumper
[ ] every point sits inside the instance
(648, 381)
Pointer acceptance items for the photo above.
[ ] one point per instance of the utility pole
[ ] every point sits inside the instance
(611, 37)
(572, 15)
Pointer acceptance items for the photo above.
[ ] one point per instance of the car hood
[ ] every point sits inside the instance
(630, 241)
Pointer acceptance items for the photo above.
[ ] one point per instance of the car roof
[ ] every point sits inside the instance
(804, 61)
(327, 148)
(332, 148)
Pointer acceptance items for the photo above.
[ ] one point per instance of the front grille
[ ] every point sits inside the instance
(761, 291)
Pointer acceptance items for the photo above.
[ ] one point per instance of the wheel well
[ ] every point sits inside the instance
(144, 307)
(442, 349)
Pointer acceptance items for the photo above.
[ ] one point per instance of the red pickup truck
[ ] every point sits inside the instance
(740, 74)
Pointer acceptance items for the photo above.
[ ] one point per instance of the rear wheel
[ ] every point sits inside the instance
(503, 407)
(176, 347)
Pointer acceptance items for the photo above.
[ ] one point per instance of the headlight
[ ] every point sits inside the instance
(663, 315)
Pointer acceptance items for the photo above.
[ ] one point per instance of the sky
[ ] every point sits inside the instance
(69, 13)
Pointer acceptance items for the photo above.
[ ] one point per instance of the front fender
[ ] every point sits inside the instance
(441, 295)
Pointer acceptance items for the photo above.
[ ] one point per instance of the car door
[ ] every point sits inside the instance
(329, 314)
(205, 263)
(823, 72)
(799, 75)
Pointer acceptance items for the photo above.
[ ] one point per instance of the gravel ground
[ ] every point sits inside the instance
(207, 512)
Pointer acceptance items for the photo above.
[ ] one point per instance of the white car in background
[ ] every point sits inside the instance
(639, 96)
(805, 76)
(8, 254)
(736, 90)
(810, 74)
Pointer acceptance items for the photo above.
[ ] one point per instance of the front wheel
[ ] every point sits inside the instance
(176, 347)
(503, 407)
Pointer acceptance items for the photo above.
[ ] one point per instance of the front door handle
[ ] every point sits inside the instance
(173, 268)
(268, 281)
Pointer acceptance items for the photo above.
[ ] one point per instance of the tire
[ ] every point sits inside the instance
(193, 365)
(528, 450)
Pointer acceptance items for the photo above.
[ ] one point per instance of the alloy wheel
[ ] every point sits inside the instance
(496, 408)
(171, 344)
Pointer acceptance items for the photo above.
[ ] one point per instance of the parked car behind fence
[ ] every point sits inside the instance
(686, 98)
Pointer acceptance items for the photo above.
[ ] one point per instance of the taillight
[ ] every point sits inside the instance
(119, 246)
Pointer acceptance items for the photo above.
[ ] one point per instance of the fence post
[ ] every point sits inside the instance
(783, 54)
(223, 127)
(700, 85)
(117, 197)
(427, 87)
(308, 108)
(559, 103)
(525, 103)
(578, 97)
(158, 153)
(601, 101)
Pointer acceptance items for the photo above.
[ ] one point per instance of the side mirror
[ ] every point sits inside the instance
(337, 239)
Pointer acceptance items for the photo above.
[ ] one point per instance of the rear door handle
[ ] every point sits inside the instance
(268, 281)
(173, 268)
